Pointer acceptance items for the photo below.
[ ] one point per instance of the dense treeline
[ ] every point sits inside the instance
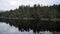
(36, 11)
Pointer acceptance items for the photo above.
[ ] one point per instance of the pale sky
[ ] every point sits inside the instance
(12, 4)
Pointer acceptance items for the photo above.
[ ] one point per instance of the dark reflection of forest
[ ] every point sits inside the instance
(35, 25)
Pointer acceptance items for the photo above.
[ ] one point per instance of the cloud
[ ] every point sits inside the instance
(12, 4)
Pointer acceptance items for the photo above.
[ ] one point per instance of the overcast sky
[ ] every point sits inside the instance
(12, 4)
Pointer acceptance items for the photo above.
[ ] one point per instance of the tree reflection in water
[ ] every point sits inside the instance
(35, 25)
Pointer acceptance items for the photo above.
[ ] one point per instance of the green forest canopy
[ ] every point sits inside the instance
(33, 12)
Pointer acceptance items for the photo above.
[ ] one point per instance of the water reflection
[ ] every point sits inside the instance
(7, 29)
(25, 27)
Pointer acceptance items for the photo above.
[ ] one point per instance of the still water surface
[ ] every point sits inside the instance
(7, 29)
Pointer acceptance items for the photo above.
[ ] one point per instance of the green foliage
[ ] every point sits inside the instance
(33, 12)
(36, 12)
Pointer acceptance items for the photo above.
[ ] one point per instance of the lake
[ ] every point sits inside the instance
(6, 28)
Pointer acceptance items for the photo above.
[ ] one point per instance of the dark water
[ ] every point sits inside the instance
(28, 27)
(7, 29)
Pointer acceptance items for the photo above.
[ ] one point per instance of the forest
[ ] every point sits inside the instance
(36, 11)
